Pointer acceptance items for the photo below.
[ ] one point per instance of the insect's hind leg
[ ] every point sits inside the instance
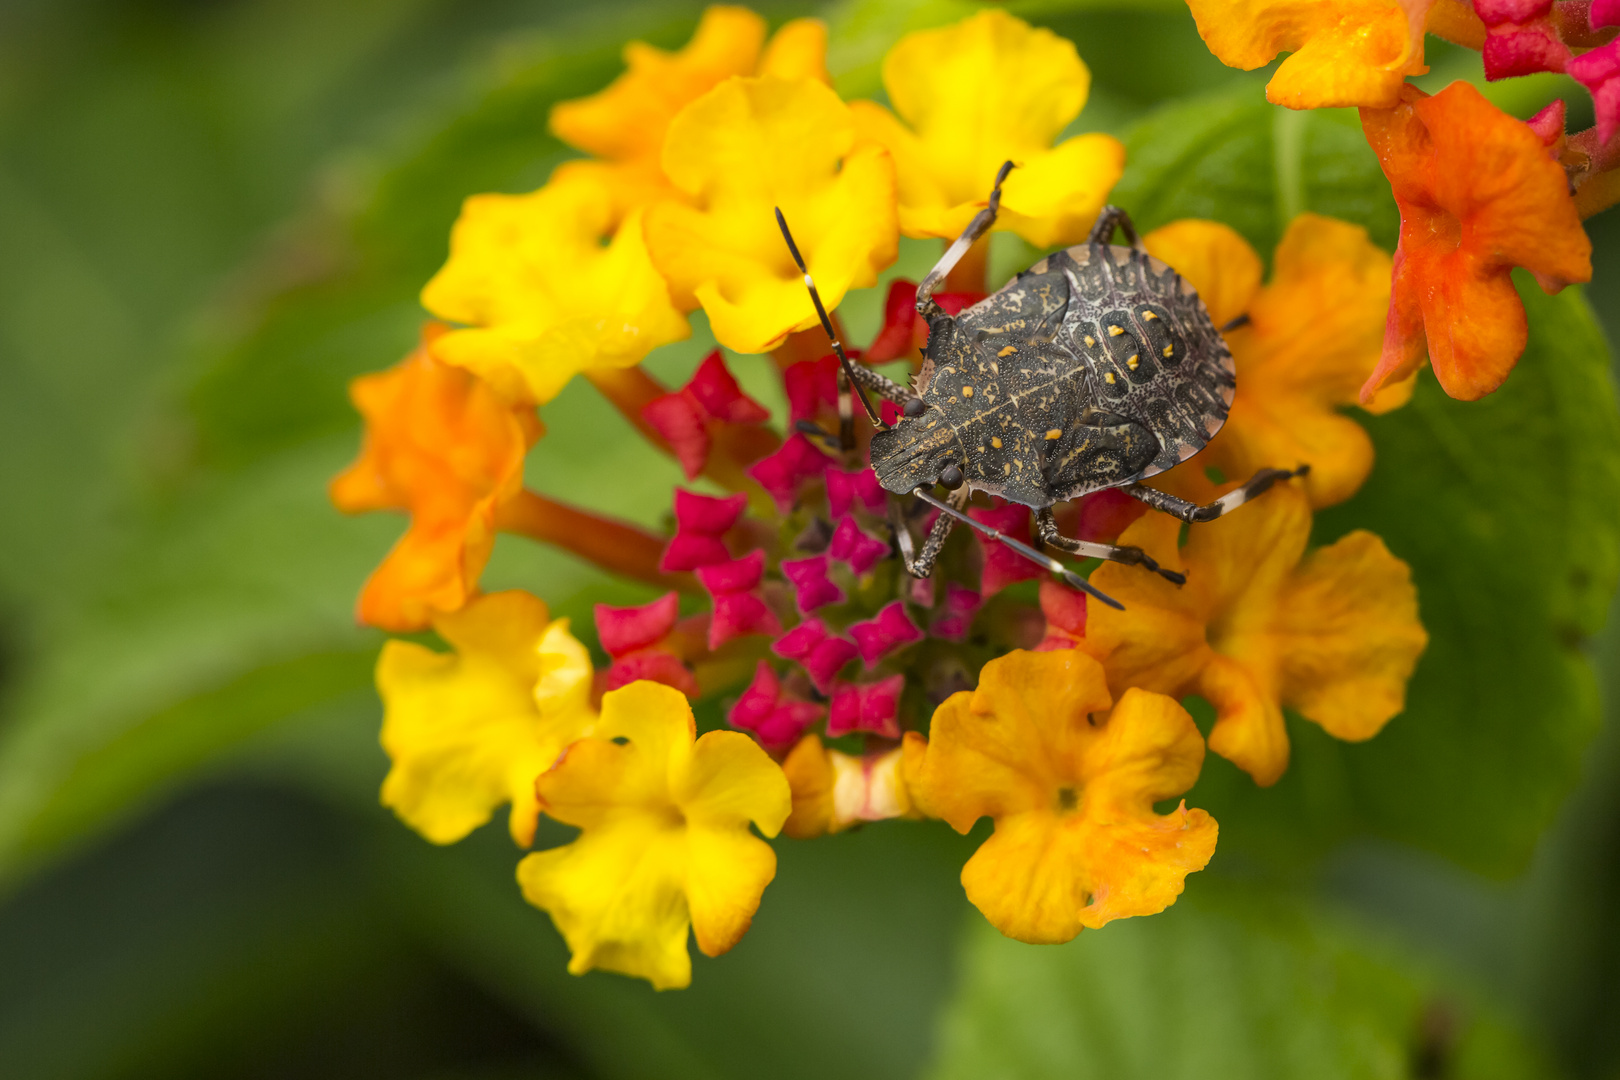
(1258, 484)
(1046, 530)
(1110, 218)
(926, 305)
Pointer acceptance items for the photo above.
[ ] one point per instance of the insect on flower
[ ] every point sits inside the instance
(1096, 368)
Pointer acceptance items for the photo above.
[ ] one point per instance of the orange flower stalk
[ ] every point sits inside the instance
(1312, 338)
(443, 446)
(1261, 625)
(1071, 787)
(1479, 194)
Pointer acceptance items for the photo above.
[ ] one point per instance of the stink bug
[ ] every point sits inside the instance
(1096, 368)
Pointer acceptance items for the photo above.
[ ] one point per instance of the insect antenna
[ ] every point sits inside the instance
(826, 322)
(1069, 576)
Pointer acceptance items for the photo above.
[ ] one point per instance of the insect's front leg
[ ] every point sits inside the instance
(1192, 512)
(1046, 529)
(1110, 218)
(927, 306)
(919, 565)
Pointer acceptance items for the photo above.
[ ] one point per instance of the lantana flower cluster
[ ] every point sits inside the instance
(853, 693)
(1480, 192)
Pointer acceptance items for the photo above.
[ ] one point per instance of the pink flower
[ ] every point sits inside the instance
(739, 609)
(684, 418)
(812, 588)
(869, 707)
(1002, 565)
(903, 332)
(812, 388)
(1520, 38)
(701, 521)
(1604, 13)
(773, 717)
(1105, 514)
(888, 630)
(641, 642)
(820, 653)
(857, 549)
(782, 474)
(961, 604)
(1065, 611)
(846, 490)
(1599, 72)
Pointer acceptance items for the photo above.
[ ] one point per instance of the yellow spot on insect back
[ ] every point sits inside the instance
(1115, 331)
(1006, 469)
(1008, 350)
(967, 391)
(1133, 361)
(1090, 341)
(1053, 433)
(1108, 377)
(1168, 349)
(995, 441)
(1149, 315)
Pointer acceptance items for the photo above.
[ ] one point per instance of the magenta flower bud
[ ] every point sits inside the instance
(626, 629)
(683, 417)
(869, 707)
(811, 386)
(782, 474)
(888, 630)
(656, 665)
(774, 718)
(1002, 565)
(848, 490)
(700, 523)
(852, 546)
(820, 653)
(739, 610)
(812, 588)
(1599, 72)
(961, 604)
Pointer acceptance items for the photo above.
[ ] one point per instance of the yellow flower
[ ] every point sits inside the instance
(625, 123)
(750, 145)
(1314, 335)
(1349, 52)
(1261, 625)
(1071, 787)
(470, 730)
(970, 96)
(664, 842)
(543, 297)
(833, 791)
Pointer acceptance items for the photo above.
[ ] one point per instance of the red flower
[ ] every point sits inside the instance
(1599, 72)
(1478, 195)
(812, 388)
(961, 604)
(701, 523)
(783, 473)
(775, 718)
(903, 333)
(688, 417)
(819, 652)
(739, 609)
(644, 643)
(812, 588)
(1065, 611)
(1107, 513)
(1002, 565)
(854, 490)
(888, 630)
(870, 707)
(853, 546)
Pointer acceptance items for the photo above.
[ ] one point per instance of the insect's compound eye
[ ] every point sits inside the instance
(950, 477)
(915, 407)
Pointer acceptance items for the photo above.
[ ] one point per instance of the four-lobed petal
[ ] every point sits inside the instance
(1069, 778)
(973, 95)
(1261, 625)
(472, 729)
(664, 843)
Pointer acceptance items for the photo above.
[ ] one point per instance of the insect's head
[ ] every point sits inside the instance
(921, 450)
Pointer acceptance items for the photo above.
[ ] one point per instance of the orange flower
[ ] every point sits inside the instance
(1478, 195)
(1261, 625)
(1071, 787)
(444, 447)
(1349, 52)
(625, 123)
(1312, 338)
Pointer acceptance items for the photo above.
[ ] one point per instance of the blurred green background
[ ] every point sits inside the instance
(213, 214)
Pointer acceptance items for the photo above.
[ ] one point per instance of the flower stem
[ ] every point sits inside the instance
(613, 545)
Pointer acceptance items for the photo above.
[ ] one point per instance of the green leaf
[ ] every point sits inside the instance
(1226, 985)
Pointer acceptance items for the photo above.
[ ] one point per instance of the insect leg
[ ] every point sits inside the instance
(881, 385)
(921, 565)
(1072, 579)
(926, 306)
(1190, 511)
(1046, 530)
(1103, 231)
